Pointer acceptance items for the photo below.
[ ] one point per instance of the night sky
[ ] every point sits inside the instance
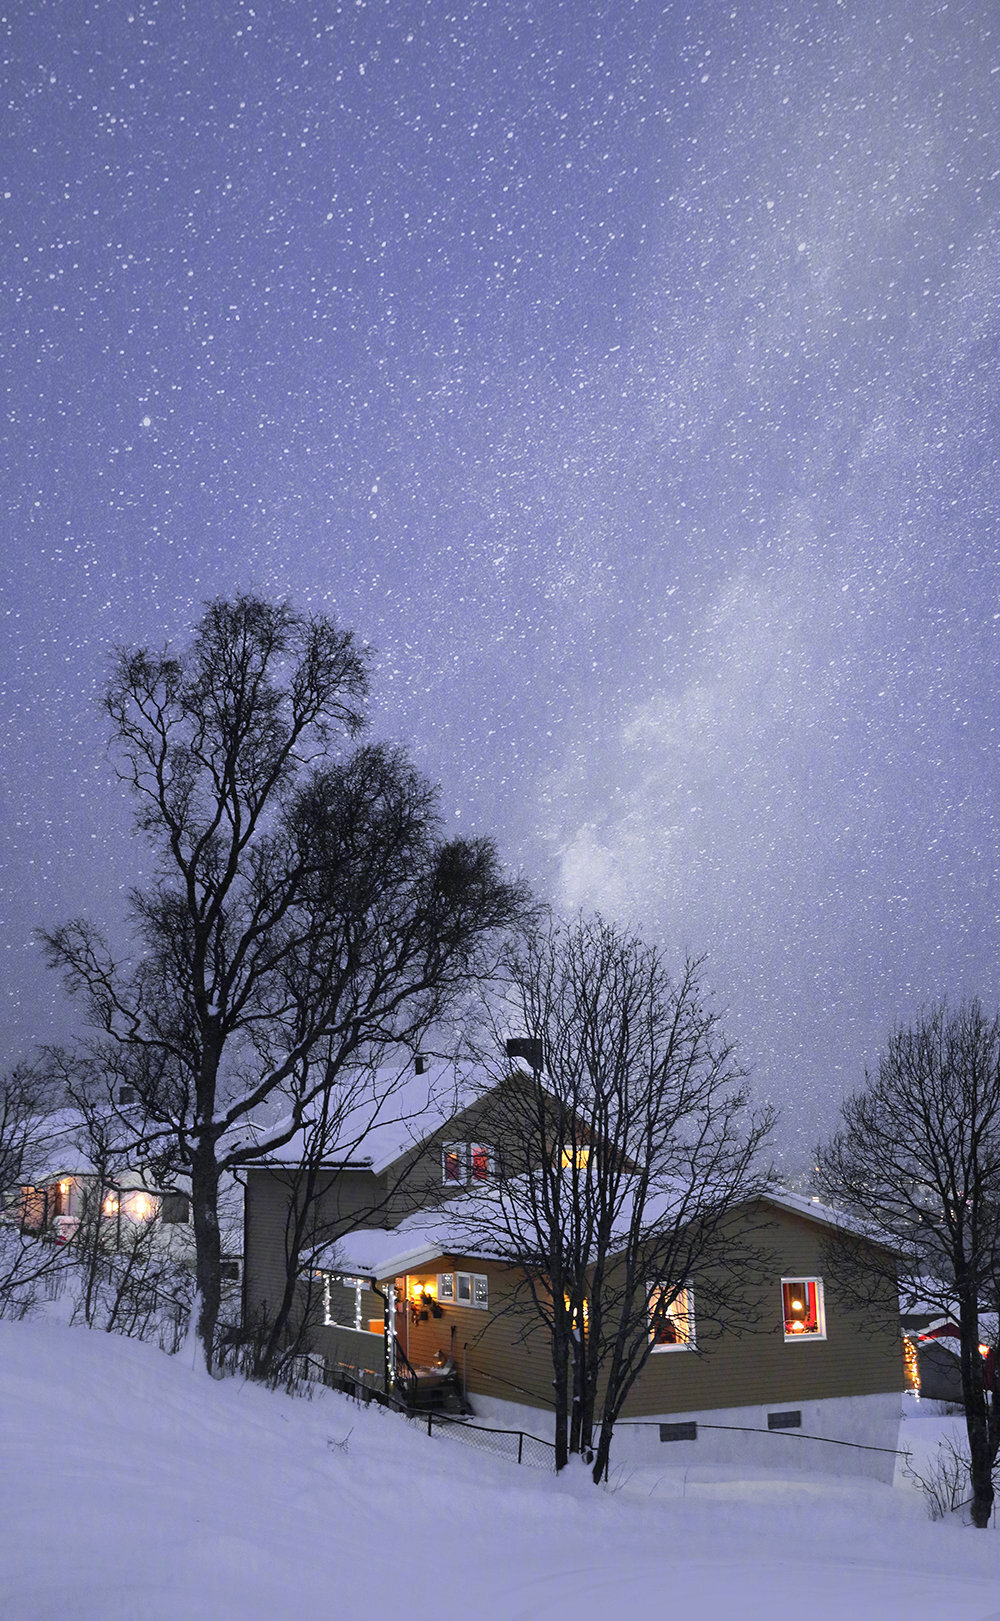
(625, 373)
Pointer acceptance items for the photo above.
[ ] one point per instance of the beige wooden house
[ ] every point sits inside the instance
(401, 1293)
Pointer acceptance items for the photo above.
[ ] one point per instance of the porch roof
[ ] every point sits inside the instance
(380, 1252)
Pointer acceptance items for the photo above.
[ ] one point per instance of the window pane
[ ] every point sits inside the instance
(480, 1163)
(174, 1208)
(446, 1285)
(674, 1324)
(452, 1161)
(480, 1291)
(463, 1282)
(802, 1306)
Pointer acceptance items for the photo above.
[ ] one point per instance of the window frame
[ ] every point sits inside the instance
(475, 1280)
(459, 1152)
(805, 1336)
(464, 1156)
(681, 1311)
(488, 1170)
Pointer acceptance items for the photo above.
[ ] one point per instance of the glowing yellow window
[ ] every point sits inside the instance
(573, 1155)
(671, 1322)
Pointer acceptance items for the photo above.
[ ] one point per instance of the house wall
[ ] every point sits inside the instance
(416, 1178)
(846, 1435)
(344, 1200)
(500, 1352)
(843, 1435)
(861, 1355)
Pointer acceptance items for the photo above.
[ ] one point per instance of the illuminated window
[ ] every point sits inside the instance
(453, 1162)
(446, 1286)
(472, 1289)
(671, 1322)
(349, 1303)
(462, 1162)
(573, 1155)
(139, 1205)
(802, 1305)
(574, 1313)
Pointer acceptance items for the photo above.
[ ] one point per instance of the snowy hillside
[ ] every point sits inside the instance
(133, 1488)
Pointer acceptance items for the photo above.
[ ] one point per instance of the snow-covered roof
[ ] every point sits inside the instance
(460, 1226)
(390, 1110)
(65, 1148)
(379, 1252)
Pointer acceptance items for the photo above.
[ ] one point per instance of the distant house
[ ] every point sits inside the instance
(931, 1351)
(76, 1179)
(405, 1297)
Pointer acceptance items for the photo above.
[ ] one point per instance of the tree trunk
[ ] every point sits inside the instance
(980, 1470)
(977, 1426)
(208, 1248)
(602, 1454)
(561, 1387)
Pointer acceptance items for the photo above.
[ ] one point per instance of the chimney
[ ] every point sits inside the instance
(419, 1063)
(529, 1048)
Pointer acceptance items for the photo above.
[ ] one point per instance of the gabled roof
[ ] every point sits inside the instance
(395, 1110)
(448, 1230)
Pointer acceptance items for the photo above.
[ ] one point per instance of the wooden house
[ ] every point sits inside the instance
(403, 1292)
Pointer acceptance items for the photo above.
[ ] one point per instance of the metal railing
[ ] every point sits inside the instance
(516, 1445)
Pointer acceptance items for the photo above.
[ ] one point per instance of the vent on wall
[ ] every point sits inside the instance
(688, 1431)
(790, 1420)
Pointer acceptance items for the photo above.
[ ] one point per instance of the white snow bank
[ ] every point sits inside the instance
(134, 1488)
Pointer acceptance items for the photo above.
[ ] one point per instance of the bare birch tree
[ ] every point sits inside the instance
(632, 1113)
(305, 908)
(917, 1160)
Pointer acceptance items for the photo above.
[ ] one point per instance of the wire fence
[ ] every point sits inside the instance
(517, 1445)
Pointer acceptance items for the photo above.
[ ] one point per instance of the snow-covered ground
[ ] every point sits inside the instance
(134, 1488)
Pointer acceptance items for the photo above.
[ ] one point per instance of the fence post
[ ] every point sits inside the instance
(520, 1444)
(430, 1425)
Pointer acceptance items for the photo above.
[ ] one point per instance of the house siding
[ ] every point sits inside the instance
(344, 1200)
(416, 1177)
(861, 1354)
(499, 1352)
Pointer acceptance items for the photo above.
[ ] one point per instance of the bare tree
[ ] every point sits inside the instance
(305, 909)
(26, 1103)
(918, 1161)
(623, 1149)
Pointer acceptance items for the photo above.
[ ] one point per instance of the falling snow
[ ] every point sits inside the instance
(627, 374)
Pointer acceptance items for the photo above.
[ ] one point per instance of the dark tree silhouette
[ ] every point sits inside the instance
(918, 1161)
(633, 1116)
(305, 910)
